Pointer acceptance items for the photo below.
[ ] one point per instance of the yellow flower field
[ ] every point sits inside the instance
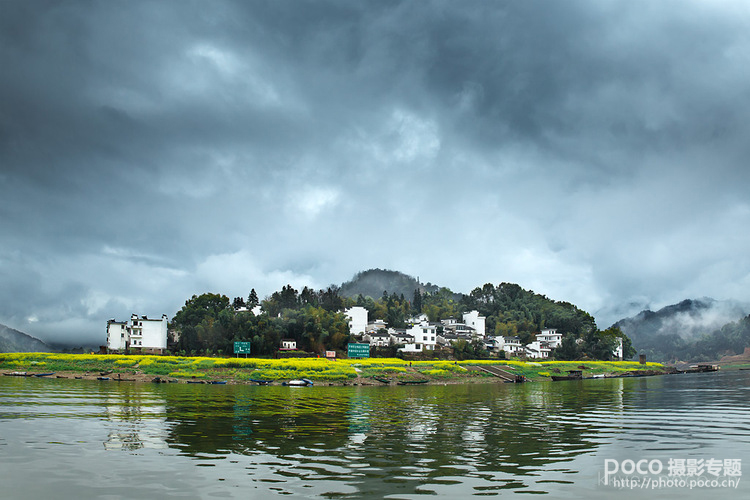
(313, 368)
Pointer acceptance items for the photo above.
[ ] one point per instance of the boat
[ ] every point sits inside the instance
(259, 381)
(383, 380)
(196, 382)
(102, 378)
(298, 383)
(16, 374)
(572, 375)
(412, 382)
(218, 382)
(44, 374)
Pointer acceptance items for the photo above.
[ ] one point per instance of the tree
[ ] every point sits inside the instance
(252, 299)
(238, 303)
(416, 303)
(568, 350)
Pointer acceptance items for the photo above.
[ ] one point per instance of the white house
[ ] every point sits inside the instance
(378, 339)
(118, 335)
(474, 320)
(618, 351)
(512, 346)
(425, 335)
(357, 320)
(374, 326)
(495, 344)
(288, 344)
(148, 335)
(415, 320)
(537, 350)
(550, 337)
(141, 334)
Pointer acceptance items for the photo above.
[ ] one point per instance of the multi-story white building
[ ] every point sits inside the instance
(425, 335)
(118, 335)
(537, 350)
(550, 337)
(474, 320)
(512, 346)
(357, 320)
(141, 334)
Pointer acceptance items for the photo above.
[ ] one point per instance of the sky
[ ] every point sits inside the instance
(592, 151)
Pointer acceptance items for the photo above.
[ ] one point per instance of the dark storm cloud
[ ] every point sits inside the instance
(592, 151)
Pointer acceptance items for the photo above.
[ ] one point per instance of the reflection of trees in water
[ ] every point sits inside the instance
(391, 438)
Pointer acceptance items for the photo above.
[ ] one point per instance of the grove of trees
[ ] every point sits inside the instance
(211, 323)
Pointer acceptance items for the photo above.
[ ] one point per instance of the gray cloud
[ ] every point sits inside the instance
(591, 151)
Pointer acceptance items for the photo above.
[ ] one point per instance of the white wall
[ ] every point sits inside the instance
(357, 320)
(474, 320)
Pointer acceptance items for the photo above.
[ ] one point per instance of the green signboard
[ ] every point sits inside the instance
(242, 347)
(359, 351)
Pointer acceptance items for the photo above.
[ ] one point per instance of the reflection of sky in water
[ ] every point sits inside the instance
(362, 441)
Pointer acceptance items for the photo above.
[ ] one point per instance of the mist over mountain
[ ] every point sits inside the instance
(14, 341)
(673, 331)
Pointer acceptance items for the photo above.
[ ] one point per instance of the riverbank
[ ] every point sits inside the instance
(369, 371)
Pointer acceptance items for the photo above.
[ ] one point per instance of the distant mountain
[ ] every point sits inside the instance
(374, 282)
(671, 332)
(14, 341)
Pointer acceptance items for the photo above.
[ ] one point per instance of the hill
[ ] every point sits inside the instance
(674, 332)
(14, 341)
(374, 282)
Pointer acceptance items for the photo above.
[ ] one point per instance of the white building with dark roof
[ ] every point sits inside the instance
(141, 334)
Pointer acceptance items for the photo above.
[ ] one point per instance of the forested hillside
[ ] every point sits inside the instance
(210, 323)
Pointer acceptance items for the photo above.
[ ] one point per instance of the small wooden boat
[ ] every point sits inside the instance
(259, 381)
(298, 383)
(196, 381)
(105, 373)
(218, 382)
(412, 382)
(16, 374)
(102, 378)
(44, 374)
(382, 380)
(572, 375)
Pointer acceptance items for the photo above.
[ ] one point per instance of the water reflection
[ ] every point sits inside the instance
(394, 441)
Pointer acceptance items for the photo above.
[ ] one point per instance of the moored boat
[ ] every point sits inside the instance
(299, 383)
(412, 382)
(259, 381)
(572, 375)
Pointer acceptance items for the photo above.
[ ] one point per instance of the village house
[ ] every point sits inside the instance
(537, 350)
(512, 346)
(425, 337)
(357, 320)
(379, 338)
(550, 337)
(288, 345)
(140, 334)
(474, 320)
(374, 326)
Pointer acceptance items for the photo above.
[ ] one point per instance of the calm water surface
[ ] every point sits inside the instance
(83, 439)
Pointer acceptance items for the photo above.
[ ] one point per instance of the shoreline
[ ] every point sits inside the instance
(141, 378)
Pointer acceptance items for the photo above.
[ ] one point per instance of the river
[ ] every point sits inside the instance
(65, 438)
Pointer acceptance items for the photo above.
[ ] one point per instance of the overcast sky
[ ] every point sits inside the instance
(595, 151)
